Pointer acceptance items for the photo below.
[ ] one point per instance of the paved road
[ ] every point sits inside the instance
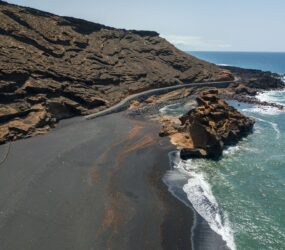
(125, 102)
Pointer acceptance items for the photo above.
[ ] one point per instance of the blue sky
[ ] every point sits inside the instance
(211, 25)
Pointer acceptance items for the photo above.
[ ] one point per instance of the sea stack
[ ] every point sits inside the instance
(211, 126)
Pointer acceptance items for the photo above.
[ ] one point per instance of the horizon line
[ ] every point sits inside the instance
(235, 51)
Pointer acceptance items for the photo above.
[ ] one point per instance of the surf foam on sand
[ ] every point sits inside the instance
(199, 192)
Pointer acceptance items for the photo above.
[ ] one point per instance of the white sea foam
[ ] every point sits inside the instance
(275, 96)
(167, 108)
(253, 150)
(177, 108)
(199, 193)
(264, 110)
(232, 150)
(273, 125)
(272, 96)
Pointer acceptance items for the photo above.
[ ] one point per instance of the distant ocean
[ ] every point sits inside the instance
(242, 196)
(268, 61)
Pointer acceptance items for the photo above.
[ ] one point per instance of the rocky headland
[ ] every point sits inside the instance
(204, 131)
(250, 83)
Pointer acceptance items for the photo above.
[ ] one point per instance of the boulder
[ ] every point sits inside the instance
(241, 89)
(187, 153)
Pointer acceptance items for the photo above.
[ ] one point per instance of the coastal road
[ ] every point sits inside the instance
(125, 102)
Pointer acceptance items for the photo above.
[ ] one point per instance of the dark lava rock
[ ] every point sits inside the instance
(245, 90)
(71, 67)
(257, 79)
(212, 125)
(187, 153)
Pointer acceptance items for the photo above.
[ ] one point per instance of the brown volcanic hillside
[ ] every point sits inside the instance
(54, 67)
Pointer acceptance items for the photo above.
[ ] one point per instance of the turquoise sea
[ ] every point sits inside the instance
(267, 61)
(242, 196)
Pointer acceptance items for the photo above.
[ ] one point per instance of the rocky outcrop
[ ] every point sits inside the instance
(74, 67)
(242, 92)
(25, 124)
(242, 89)
(257, 79)
(251, 82)
(211, 125)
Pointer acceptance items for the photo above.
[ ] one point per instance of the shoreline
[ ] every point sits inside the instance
(198, 230)
(202, 236)
(116, 183)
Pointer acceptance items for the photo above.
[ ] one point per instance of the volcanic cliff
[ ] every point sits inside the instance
(54, 67)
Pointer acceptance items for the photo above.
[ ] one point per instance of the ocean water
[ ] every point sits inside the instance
(242, 196)
(268, 61)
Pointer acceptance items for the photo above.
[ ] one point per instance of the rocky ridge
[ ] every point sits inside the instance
(54, 67)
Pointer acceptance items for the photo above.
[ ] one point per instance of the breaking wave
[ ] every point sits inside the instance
(265, 110)
(169, 108)
(275, 96)
(177, 108)
(273, 125)
(199, 193)
(231, 150)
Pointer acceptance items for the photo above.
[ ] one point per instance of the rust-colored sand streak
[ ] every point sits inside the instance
(131, 135)
(113, 217)
(146, 141)
(94, 175)
(118, 205)
(108, 218)
(134, 132)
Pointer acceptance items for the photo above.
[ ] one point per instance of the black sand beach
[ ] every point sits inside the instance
(91, 185)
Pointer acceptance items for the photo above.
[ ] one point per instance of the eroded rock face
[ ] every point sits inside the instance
(212, 125)
(36, 121)
(75, 67)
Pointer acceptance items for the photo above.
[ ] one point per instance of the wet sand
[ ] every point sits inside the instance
(91, 185)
